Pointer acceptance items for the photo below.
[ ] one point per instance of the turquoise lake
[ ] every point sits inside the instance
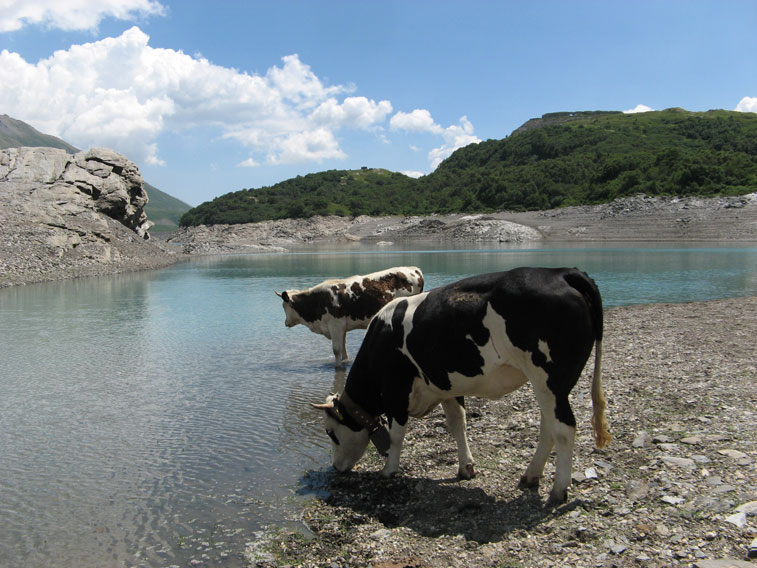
(157, 418)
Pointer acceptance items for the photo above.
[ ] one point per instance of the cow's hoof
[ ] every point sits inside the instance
(388, 473)
(466, 471)
(557, 499)
(526, 483)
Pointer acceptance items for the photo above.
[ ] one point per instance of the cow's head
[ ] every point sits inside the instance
(292, 317)
(348, 438)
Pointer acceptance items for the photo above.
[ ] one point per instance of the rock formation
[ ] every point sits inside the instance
(65, 215)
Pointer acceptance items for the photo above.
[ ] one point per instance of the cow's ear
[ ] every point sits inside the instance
(283, 295)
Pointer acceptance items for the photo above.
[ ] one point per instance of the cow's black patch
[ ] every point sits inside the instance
(311, 306)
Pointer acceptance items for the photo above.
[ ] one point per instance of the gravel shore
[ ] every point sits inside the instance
(677, 486)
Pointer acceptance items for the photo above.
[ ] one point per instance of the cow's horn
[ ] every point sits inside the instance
(323, 406)
(277, 293)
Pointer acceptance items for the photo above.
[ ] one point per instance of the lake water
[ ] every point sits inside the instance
(157, 418)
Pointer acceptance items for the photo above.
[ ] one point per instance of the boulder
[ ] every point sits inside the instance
(49, 181)
(65, 215)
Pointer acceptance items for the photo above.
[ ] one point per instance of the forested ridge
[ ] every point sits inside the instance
(558, 160)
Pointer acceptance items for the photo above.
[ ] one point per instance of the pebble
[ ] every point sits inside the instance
(692, 440)
(641, 440)
(637, 490)
(591, 473)
(731, 453)
(723, 563)
(686, 463)
(749, 509)
(738, 519)
(752, 549)
(672, 500)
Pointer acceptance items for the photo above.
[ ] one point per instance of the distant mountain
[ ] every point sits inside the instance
(569, 158)
(14, 134)
(163, 209)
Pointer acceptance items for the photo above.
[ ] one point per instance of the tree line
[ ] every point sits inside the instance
(586, 158)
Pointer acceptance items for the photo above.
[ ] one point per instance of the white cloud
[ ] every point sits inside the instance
(72, 14)
(455, 136)
(413, 173)
(638, 108)
(354, 112)
(309, 146)
(747, 104)
(417, 121)
(121, 93)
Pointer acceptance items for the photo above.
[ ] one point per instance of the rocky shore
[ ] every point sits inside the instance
(677, 486)
(638, 218)
(65, 216)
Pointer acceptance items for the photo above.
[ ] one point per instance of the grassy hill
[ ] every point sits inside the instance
(559, 159)
(163, 209)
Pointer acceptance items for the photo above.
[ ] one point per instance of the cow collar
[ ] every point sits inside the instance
(376, 425)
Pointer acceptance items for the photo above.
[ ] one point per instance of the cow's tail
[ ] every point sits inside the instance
(598, 420)
(588, 289)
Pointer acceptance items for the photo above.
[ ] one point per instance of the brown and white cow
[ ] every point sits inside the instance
(482, 336)
(334, 307)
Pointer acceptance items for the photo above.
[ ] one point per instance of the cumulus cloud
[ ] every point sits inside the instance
(747, 104)
(417, 121)
(413, 173)
(455, 136)
(122, 93)
(638, 108)
(72, 14)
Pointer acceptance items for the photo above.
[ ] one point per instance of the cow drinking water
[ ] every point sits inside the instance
(482, 336)
(334, 307)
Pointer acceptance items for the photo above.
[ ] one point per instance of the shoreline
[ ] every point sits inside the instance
(676, 486)
(33, 252)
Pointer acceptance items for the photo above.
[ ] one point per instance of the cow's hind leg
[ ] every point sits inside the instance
(558, 429)
(530, 479)
(454, 412)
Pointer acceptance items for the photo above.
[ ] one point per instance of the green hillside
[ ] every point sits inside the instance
(557, 160)
(162, 209)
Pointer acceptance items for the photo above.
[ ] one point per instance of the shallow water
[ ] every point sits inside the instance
(156, 418)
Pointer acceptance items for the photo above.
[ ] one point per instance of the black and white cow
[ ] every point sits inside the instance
(482, 336)
(334, 307)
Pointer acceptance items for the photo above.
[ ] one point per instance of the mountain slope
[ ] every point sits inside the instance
(15, 133)
(162, 209)
(558, 160)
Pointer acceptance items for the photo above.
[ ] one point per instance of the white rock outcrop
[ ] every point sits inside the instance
(64, 215)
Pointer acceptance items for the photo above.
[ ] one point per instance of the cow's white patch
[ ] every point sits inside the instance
(544, 348)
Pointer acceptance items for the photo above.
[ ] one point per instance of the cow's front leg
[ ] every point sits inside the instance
(396, 437)
(454, 412)
(338, 332)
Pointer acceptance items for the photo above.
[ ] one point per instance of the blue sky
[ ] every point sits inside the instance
(212, 97)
